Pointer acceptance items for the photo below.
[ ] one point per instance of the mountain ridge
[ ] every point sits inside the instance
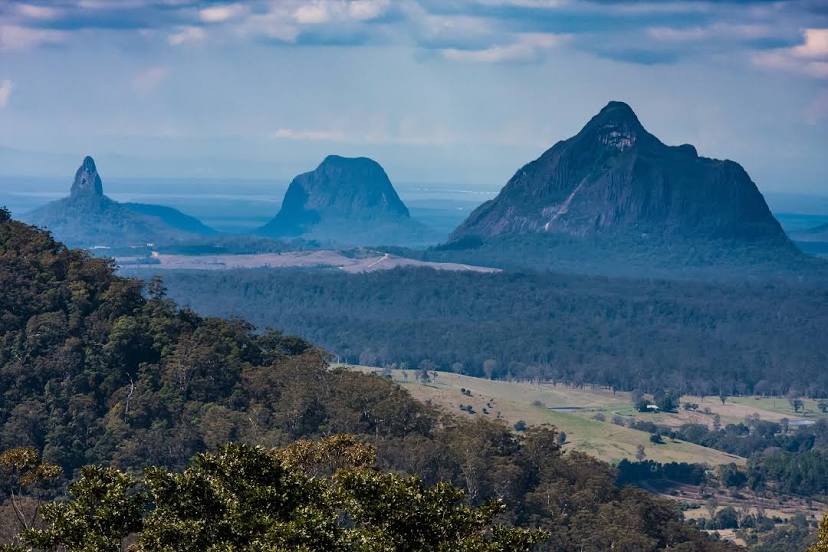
(89, 218)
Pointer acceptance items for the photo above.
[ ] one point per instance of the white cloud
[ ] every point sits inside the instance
(815, 45)
(14, 37)
(324, 11)
(148, 80)
(6, 87)
(186, 34)
(312, 14)
(220, 14)
(32, 11)
(365, 10)
(809, 58)
(527, 47)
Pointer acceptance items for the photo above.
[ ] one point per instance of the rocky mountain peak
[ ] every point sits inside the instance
(87, 181)
(614, 178)
(615, 126)
(356, 189)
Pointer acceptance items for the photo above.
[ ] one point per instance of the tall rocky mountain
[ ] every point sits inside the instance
(345, 199)
(614, 177)
(88, 218)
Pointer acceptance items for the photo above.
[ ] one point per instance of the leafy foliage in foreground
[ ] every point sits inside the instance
(250, 498)
(94, 372)
(821, 544)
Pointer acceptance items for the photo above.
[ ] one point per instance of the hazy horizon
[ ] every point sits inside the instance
(464, 91)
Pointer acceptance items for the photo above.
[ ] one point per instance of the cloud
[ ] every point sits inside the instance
(366, 10)
(815, 45)
(222, 13)
(325, 11)
(483, 31)
(6, 87)
(33, 11)
(527, 47)
(808, 58)
(148, 80)
(186, 34)
(312, 14)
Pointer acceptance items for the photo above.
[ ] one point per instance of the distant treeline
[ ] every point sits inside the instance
(701, 338)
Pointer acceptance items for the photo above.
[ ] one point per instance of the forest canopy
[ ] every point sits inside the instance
(97, 369)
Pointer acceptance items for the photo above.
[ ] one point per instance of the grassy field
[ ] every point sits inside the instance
(571, 410)
(574, 411)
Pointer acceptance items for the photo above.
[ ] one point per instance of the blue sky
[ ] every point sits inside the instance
(454, 91)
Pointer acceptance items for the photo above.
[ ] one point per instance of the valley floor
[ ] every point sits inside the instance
(578, 412)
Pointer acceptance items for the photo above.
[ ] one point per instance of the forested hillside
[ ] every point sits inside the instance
(699, 338)
(93, 371)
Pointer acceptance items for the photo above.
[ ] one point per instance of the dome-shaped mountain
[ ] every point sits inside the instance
(345, 199)
(88, 218)
(614, 178)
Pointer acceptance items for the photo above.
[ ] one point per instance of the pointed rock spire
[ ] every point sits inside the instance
(87, 181)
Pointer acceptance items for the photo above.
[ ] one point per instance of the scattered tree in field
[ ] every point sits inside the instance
(640, 454)
(489, 367)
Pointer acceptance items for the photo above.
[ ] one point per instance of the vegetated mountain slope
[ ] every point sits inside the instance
(690, 337)
(172, 217)
(88, 218)
(346, 200)
(91, 371)
(615, 189)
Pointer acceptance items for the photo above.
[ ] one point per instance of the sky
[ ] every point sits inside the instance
(461, 92)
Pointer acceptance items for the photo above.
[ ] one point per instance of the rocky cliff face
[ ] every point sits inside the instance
(87, 181)
(339, 188)
(344, 199)
(614, 177)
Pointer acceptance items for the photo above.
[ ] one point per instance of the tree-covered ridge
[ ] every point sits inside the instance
(92, 371)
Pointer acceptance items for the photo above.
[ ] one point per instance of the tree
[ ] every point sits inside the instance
(106, 505)
(822, 404)
(250, 498)
(796, 404)
(489, 367)
(731, 476)
(821, 544)
(21, 469)
(640, 454)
